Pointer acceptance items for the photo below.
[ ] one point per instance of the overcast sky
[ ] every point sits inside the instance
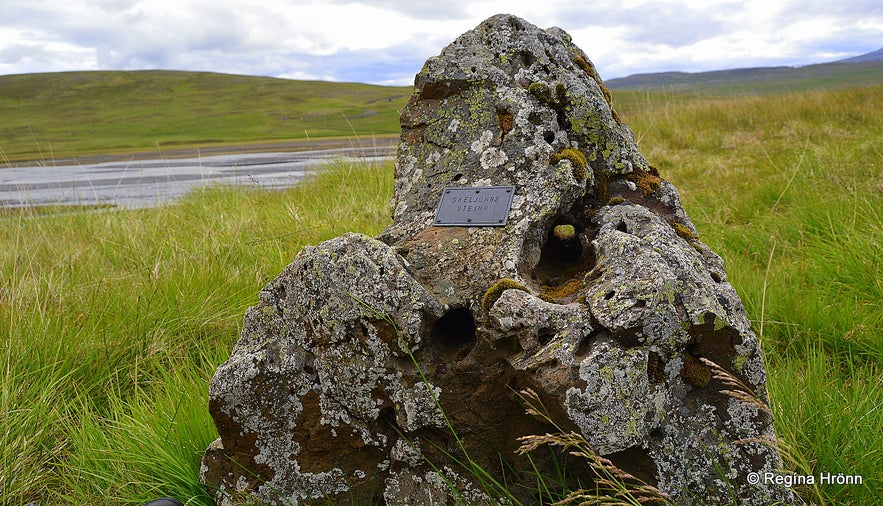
(387, 41)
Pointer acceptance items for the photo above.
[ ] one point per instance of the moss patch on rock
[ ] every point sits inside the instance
(574, 155)
(564, 232)
(684, 232)
(646, 181)
(562, 293)
(493, 293)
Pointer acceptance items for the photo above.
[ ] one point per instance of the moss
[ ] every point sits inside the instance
(609, 98)
(577, 160)
(684, 232)
(574, 155)
(646, 181)
(580, 173)
(562, 293)
(564, 232)
(493, 293)
(586, 67)
(695, 372)
(615, 201)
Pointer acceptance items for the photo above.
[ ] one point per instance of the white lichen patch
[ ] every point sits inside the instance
(482, 142)
(305, 486)
(407, 451)
(416, 408)
(492, 157)
(618, 407)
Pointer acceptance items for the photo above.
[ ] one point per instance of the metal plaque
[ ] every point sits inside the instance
(474, 206)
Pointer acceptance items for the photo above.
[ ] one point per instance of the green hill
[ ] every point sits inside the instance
(54, 115)
(760, 80)
(51, 116)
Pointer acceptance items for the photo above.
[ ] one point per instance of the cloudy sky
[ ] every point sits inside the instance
(387, 41)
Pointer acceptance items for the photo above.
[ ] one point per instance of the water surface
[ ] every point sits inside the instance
(145, 183)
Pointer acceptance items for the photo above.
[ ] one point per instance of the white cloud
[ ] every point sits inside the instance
(387, 41)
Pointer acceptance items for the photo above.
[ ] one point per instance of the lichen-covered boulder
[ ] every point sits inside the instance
(387, 370)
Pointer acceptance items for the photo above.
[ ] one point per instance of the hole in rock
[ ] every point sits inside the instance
(564, 258)
(527, 58)
(281, 292)
(388, 418)
(545, 336)
(716, 277)
(454, 329)
(458, 176)
(639, 464)
(585, 344)
(549, 137)
(622, 227)
(655, 368)
(563, 122)
(610, 295)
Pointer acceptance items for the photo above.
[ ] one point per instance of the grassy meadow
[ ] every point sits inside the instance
(113, 321)
(56, 115)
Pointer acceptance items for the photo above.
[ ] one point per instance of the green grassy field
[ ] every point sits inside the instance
(112, 322)
(59, 115)
(56, 115)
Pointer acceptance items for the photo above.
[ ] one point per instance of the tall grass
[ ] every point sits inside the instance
(112, 322)
(789, 191)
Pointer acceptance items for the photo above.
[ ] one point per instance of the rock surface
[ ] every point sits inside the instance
(371, 368)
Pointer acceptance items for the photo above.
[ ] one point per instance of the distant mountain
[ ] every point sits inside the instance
(874, 56)
(858, 71)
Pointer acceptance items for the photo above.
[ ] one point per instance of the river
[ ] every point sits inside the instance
(146, 183)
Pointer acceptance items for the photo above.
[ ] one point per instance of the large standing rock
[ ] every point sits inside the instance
(382, 370)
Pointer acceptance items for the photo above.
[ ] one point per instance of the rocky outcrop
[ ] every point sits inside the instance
(386, 370)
